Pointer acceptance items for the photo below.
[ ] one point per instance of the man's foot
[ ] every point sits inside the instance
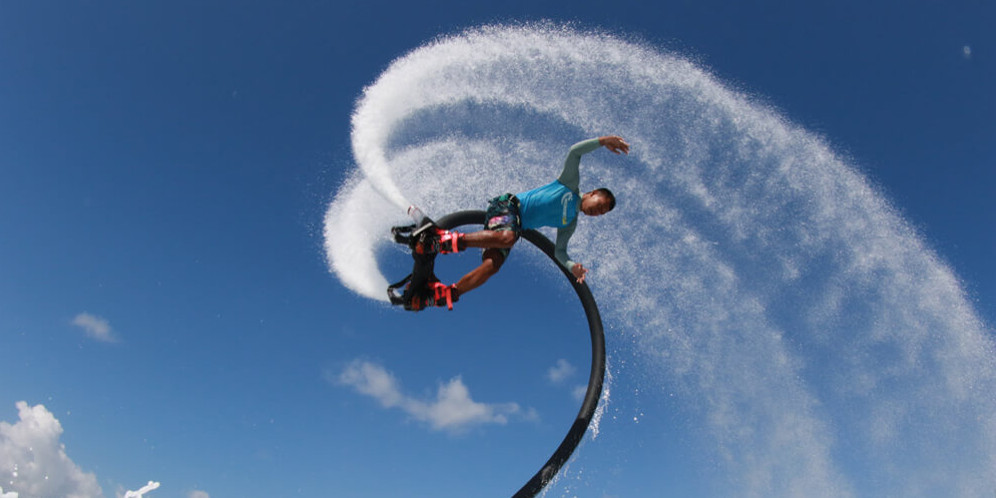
(436, 240)
(450, 241)
(445, 295)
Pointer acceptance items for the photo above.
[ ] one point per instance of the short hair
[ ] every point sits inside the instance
(608, 195)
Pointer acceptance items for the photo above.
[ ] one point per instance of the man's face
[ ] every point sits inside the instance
(594, 204)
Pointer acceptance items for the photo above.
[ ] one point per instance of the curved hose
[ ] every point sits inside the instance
(563, 452)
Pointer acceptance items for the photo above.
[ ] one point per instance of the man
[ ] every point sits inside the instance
(556, 204)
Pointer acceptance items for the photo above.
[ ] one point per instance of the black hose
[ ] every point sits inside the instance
(590, 403)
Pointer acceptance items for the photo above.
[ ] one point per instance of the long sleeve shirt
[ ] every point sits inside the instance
(557, 203)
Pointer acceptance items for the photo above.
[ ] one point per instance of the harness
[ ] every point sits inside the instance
(421, 287)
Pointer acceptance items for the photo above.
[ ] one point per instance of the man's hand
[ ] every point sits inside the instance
(614, 143)
(580, 272)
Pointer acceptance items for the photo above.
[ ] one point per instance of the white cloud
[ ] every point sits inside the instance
(141, 492)
(560, 372)
(95, 327)
(579, 392)
(452, 410)
(33, 462)
(198, 494)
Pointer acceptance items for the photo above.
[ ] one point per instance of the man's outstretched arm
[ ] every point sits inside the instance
(571, 177)
(560, 248)
(560, 252)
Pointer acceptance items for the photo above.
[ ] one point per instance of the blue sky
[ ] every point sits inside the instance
(165, 168)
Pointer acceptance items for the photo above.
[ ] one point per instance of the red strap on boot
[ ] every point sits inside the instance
(443, 291)
(449, 242)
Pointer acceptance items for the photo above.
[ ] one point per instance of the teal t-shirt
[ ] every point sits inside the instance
(557, 203)
(552, 205)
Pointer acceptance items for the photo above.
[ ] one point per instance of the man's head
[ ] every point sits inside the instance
(597, 202)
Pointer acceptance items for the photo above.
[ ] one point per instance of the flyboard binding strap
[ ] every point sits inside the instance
(421, 288)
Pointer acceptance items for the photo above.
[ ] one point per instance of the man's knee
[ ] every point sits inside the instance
(490, 268)
(506, 238)
(492, 261)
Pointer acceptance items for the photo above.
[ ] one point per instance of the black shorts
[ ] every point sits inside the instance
(503, 215)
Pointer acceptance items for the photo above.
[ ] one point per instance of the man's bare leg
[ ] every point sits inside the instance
(488, 268)
(501, 239)
(491, 241)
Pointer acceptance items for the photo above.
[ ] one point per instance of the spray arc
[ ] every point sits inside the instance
(780, 294)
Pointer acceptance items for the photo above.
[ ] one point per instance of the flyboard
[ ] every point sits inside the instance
(422, 288)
